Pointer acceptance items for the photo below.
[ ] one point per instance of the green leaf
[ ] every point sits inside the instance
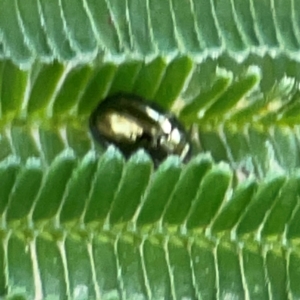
(54, 185)
(81, 222)
(27, 183)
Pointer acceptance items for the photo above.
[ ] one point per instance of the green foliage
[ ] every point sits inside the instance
(81, 222)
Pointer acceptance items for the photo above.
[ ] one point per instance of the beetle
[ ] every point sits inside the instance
(131, 123)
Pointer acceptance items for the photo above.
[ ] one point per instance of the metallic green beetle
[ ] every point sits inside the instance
(131, 123)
